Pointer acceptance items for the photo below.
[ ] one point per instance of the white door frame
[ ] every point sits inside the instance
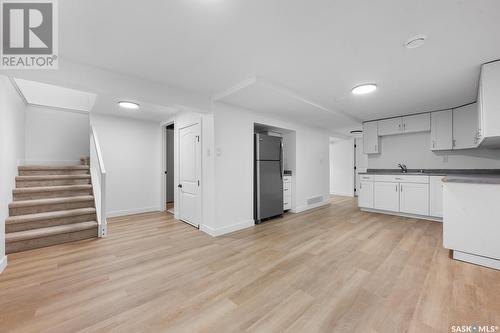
(163, 167)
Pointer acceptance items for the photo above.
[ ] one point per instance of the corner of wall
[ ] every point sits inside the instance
(3, 263)
(214, 232)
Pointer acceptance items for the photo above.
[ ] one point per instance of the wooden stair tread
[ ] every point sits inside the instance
(27, 190)
(50, 201)
(49, 231)
(52, 167)
(49, 215)
(52, 177)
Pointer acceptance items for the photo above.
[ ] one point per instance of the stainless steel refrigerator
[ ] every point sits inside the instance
(268, 187)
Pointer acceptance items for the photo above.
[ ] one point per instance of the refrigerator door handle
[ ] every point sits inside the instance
(282, 163)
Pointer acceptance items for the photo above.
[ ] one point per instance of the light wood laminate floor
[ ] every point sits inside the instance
(334, 269)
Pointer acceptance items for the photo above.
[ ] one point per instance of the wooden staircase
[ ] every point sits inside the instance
(52, 205)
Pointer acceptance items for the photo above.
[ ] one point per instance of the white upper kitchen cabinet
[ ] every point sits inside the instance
(414, 198)
(417, 123)
(465, 127)
(390, 126)
(370, 138)
(436, 196)
(365, 195)
(442, 130)
(386, 196)
(489, 104)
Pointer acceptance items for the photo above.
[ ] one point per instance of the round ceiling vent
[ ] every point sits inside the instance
(415, 41)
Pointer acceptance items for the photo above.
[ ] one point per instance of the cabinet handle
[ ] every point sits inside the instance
(399, 126)
(396, 188)
(360, 186)
(404, 127)
(433, 144)
(401, 187)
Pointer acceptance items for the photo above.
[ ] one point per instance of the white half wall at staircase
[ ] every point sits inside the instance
(55, 136)
(131, 151)
(12, 114)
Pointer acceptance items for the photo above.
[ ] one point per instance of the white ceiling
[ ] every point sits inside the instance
(108, 105)
(36, 93)
(319, 49)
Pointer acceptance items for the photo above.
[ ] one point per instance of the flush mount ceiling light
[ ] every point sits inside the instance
(415, 41)
(128, 105)
(364, 89)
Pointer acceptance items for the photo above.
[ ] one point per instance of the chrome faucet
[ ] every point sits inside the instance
(403, 168)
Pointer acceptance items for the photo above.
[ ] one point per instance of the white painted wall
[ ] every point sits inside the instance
(342, 167)
(234, 128)
(55, 136)
(12, 117)
(414, 151)
(132, 156)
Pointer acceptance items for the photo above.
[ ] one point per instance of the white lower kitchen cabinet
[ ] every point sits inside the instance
(386, 196)
(414, 198)
(470, 224)
(287, 192)
(402, 194)
(436, 196)
(365, 195)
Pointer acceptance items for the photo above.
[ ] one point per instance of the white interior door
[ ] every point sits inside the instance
(190, 174)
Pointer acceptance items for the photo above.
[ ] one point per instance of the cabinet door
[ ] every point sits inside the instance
(414, 198)
(465, 127)
(490, 86)
(390, 126)
(370, 137)
(442, 130)
(436, 196)
(480, 118)
(386, 196)
(417, 123)
(365, 196)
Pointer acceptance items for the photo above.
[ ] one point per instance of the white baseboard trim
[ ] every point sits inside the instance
(413, 216)
(51, 162)
(308, 207)
(342, 194)
(477, 260)
(214, 232)
(3, 263)
(125, 212)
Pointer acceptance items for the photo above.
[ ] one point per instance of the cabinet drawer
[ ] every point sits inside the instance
(402, 179)
(287, 179)
(287, 202)
(366, 177)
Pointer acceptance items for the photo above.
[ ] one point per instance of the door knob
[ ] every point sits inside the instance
(179, 186)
